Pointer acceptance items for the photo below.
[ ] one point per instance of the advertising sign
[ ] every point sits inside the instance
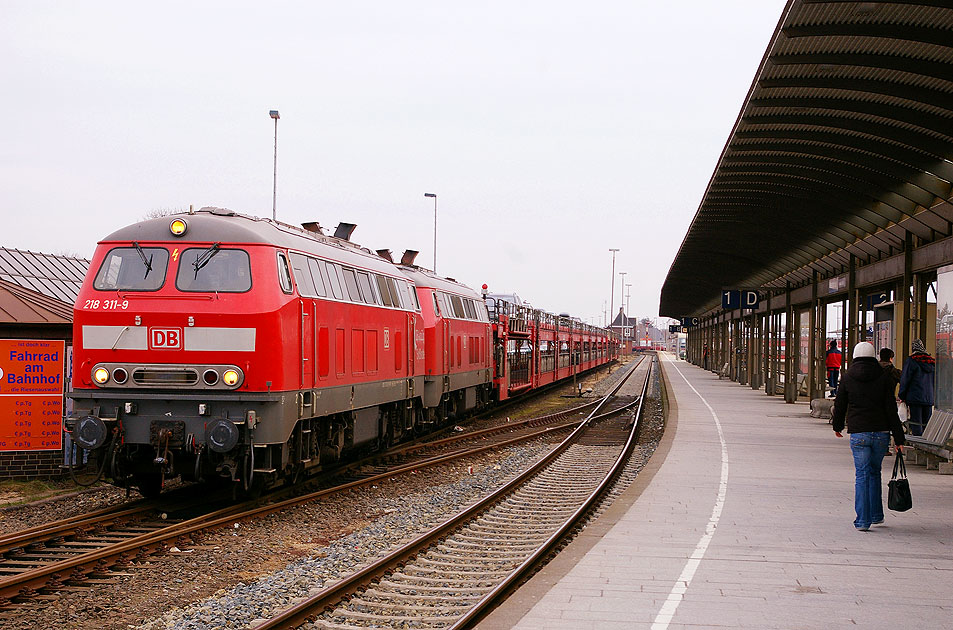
(31, 394)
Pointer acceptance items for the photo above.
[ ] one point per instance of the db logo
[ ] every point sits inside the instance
(165, 338)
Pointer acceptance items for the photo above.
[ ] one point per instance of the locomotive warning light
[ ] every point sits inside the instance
(178, 227)
(101, 375)
(230, 378)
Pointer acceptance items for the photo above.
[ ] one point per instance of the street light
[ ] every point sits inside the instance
(274, 191)
(627, 294)
(434, 195)
(612, 292)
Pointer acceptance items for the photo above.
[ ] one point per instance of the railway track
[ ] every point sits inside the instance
(456, 571)
(81, 551)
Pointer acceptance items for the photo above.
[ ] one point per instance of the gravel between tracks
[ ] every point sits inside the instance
(238, 574)
(228, 578)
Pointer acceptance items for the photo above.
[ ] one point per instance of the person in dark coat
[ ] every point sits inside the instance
(916, 386)
(886, 362)
(865, 402)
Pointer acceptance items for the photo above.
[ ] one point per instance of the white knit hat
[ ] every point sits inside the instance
(864, 349)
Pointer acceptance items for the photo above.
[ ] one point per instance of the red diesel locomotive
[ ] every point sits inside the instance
(216, 345)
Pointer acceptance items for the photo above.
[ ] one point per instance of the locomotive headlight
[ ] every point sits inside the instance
(231, 377)
(101, 375)
(178, 227)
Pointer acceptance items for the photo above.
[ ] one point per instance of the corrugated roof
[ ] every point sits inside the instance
(845, 143)
(59, 277)
(19, 305)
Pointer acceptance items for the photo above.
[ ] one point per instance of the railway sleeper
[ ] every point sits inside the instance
(494, 533)
(527, 523)
(536, 502)
(490, 537)
(474, 554)
(467, 547)
(436, 590)
(435, 606)
(460, 565)
(454, 569)
(547, 512)
(389, 621)
(444, 582)
(393, 594)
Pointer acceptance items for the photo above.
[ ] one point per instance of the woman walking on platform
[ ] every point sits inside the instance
(865, 401)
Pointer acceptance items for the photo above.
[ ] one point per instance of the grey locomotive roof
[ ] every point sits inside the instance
(426, 278)
(59, 277)
(215, 225)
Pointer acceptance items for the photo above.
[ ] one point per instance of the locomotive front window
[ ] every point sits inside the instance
(133, 269)
(214, 270)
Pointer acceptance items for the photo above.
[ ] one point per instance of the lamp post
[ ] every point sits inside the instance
(274, 191)
(434, 195)
(627, 294)
(621, 297)
(612, 291)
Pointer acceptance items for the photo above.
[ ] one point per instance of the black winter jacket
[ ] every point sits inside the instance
(865, 399)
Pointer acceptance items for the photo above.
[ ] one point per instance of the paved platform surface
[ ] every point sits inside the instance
(743, 519)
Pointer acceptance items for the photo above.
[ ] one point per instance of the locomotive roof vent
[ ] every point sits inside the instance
(408, 258)
(344, 230)
(314, 227)
(222, 212)
(385, 254)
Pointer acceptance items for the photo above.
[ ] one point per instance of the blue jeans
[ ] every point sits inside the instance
(832, 376)
(869, 450)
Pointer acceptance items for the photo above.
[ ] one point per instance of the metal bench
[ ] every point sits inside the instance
(936, 437)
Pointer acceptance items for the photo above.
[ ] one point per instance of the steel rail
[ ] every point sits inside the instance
(304, 611)
(498, 592)
(54, 529)
(49, 577)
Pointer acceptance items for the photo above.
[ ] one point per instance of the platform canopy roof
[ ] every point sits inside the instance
(843, 145)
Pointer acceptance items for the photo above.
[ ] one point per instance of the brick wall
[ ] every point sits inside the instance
(32, 465)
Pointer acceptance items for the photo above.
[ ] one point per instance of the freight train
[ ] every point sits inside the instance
(214, 345)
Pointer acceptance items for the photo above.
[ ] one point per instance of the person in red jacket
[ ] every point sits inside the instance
(833, 367)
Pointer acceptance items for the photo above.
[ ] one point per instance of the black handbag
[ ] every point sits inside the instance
(898, 490)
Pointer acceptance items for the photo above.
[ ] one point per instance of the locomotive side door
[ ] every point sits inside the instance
(411, 343)
(307, 342)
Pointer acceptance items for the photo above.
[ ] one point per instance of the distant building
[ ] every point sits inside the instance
(625, 327)
(637, 333)
(37, 292)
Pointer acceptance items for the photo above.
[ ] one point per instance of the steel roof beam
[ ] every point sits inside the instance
(912, 65)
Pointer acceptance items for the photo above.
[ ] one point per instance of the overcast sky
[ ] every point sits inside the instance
(550, 131)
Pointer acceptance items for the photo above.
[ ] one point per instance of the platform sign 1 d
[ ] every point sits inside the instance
(31, 394)
(731, 300)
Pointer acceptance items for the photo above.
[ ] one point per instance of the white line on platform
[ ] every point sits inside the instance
(664, 616)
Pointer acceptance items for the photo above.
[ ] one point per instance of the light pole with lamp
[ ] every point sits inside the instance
(627, 294)
(434, 195)
(274, 191)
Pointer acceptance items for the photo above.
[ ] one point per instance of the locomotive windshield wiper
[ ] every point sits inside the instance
(206, 256)
(142, 255)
